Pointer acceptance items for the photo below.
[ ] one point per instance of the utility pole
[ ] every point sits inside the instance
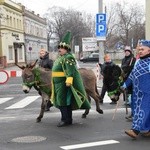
(100, 42)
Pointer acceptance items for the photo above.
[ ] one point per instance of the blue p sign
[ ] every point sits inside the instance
(101, 25)
(100, 18)
(101, 28)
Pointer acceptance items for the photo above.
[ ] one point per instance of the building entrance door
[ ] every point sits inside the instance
(16, 56)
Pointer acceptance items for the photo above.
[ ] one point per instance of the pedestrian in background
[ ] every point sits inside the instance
(127, 65)
(47, 64)
(139, 78)
(68, 92)
(128, 62)
(45, 61)
(107, 62)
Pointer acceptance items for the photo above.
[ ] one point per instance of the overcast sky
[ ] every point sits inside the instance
(89, 6)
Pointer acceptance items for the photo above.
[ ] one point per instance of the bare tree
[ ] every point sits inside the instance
(55, 17)
(112, 26)
(60, 20)
(125, 21)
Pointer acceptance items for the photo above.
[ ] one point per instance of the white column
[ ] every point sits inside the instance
(147, 19)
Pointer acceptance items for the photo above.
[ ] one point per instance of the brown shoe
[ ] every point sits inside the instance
(131, 133)
(147, 134)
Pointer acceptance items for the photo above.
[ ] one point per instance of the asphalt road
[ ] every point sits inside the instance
(19, 130)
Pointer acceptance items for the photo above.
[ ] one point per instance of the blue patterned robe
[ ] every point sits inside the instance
(140, 78)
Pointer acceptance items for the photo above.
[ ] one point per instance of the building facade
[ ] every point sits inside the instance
(35, 34)
(22, 34)
(11, 33)
(147, 20)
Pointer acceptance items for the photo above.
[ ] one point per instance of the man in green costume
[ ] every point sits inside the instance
(68, 92)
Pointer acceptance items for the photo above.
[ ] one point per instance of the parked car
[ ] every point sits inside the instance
(93, 57)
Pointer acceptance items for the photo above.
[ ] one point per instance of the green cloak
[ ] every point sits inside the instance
(63, 95)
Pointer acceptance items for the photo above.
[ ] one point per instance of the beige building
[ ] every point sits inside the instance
(147, 20)
(35, 34)
(11, 33)
(22, 34)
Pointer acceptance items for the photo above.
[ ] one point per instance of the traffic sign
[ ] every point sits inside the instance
(89, 44)
(100, 18)
(3, 76)
(30, 48)
(101, 25)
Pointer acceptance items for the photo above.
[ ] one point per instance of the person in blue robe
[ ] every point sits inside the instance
(140, 79)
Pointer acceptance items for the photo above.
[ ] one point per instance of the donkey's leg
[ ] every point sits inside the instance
(38, 119)
(86, 110)
(96, 98)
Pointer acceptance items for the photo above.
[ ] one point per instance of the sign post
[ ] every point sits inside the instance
(101, 30)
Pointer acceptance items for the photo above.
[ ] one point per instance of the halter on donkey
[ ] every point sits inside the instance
(37, 83)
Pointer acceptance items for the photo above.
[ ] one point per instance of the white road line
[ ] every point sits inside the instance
(4, 118)
(92, 144)
(3, 100)
(24, 102)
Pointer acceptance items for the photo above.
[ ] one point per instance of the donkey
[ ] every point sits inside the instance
(40, 79)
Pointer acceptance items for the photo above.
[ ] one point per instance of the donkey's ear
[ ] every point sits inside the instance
(33, 64)
(36, 61)
(21, 67)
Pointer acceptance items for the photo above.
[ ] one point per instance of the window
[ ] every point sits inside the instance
(20, 53)
(95, 55)
(14, 22)
(11, 21)
(10, 52)
(18, 24)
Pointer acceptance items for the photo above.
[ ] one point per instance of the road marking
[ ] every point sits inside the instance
(92, 144)
(24, 102)
(3, 100)
(4, 118)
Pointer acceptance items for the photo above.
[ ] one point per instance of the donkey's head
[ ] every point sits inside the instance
(112, 81)
(28, 76)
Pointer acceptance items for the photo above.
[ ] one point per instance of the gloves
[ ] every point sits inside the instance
(68, 84)
(69, 81)
(123, 87)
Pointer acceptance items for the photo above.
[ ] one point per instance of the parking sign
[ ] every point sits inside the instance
(101, 25)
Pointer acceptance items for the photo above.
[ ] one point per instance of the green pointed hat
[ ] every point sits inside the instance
(65, 43)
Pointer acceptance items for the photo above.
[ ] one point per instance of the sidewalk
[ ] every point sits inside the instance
(13, 71)
(12, 68)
